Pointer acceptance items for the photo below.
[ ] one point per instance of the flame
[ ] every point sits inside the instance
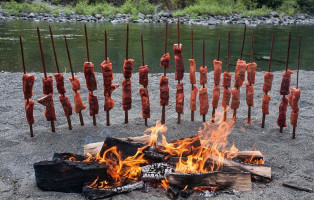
(204, 188)
(165, 184)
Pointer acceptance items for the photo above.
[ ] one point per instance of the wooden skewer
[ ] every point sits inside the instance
(251, 60)
(241, 54)
(204, 116)
(126, 114)
(41, 52)
(143, 63)
(24, 69)
(287, 67)
(218, 56)
(87, 53)
(54, 49)
(178, 37)
(163, 111)
(72, 73)
(228, 59)
(57, 64)
(192, 56)
(299, 55)
(44, 68)
(269, 65)
(106, 57)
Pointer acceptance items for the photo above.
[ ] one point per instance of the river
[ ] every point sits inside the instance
(10, 57)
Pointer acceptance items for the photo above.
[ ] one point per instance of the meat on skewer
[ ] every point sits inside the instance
(249, 94)
(79, 106)
(179, 65)
(128, 68)
(93, 104)
(47, 85)
(251, 70)
(235, 102)
(281, 121)
(28, 83)
(216, 94)
(204, 105)
(164, 90)
(65, 102)
(193, 98)
(268, 81)
(47, 101)
(180, 98)
(225, 98)
(165, 60)
(29, 107)
(145, 103)
(143, 75)
(60, 83)
(126, 94)
(75, 83)
(294, 98)
(106, 67)
(217, 71)
(285, 82)
(90, 78)
(203, 75)
(239, 75)
(294, 118)
(192, 71)
(226, 81)
(265, 104)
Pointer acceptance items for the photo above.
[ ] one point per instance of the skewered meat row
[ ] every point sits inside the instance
(251, 70)
(29, 107)
(128, 68)
(225, 97)
(145, 103)
(178, 59)
(126, 94)
(143, 75)
(165, 60)
(265, 104)
(293, 102)
(164, 90)
(203, 75)
(47, 101)
(28, 83)
(192, 71)
(204, 105)
(217, 71)
(60, 83)
(193, 98)
(239, 75)
(47, 85)
(249, 94)
(235, 102)
(65, 102)
(281, 121)
(216, 94)
(268, 81)
(285, 82)
(180, 98)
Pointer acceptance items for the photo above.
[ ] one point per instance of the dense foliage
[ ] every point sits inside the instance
(180, 7)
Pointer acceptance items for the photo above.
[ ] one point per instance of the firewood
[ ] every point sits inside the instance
(173, 191)
(232, 180)
(67, 176)
(96, 193)
(297, 187)
(155, 172)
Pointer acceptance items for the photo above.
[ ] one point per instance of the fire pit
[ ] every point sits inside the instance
(195, 164)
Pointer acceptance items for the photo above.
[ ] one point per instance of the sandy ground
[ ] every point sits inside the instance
(291, 160)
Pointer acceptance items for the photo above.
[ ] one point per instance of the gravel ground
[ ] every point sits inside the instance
(291, 160)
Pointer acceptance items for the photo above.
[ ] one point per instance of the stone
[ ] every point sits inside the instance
(141, 15)
(146, 21)
(31, 15)
(98, 16)
(119, 15)
(115, 21)
(274, 14)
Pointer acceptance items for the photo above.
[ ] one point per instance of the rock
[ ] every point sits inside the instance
(31, 15)
(212, 22)
(274, 14)
(115, 21)
(119, 15)
(166, 14)
(98, 16)
(137, 21)
(141, 15)
(146, 21)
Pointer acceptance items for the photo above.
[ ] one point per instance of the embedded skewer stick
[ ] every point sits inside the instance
(250, 83)
(283, 90)
(241, 55)
(192, 75)
(74, 79)
(204, 116)
(293, 118)
(217, 73)
(27, 93)
(178, 43)
(226, 83)
(267, 76)
(47, 85)
(90, 82)
(60, 85)
(106, 57)
(164, 89)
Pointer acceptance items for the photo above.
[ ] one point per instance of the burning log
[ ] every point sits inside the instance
(95, 193)
(63, 175)
(232, 180)
(155, 172)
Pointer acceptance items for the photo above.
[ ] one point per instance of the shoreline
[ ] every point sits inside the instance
(273, 19)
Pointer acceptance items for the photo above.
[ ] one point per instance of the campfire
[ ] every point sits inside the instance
(200, 163)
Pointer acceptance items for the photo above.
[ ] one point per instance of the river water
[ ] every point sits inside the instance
(10, 56)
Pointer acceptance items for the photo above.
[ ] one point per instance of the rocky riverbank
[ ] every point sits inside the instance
(272, 19)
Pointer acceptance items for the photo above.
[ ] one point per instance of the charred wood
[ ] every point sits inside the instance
(155, 172)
